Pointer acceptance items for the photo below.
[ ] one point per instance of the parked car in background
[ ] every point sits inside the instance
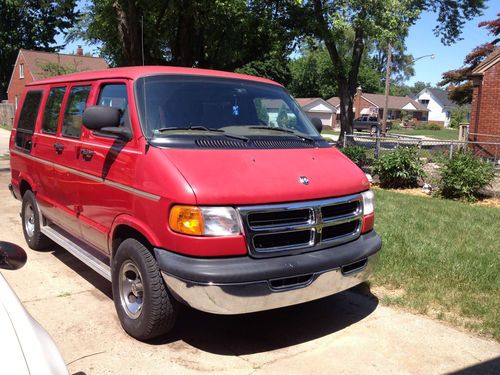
(25, 347)
(369, 123)
(187, 186)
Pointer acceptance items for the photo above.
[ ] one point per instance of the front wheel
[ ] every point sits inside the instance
(144, 305)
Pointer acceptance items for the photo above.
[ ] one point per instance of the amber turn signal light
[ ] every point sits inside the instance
(187, 220)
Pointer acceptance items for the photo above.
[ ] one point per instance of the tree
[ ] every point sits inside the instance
(459, 78)
(221, 34)
(330, 21)
(30, 24)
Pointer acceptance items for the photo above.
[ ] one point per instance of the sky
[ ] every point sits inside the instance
(421, 41)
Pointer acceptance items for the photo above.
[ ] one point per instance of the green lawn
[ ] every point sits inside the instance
(444, 134)
(6, 127)
(440, 258)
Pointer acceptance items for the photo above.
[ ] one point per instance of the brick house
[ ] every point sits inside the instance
(31, 66)
(485, 108)
(373, 104)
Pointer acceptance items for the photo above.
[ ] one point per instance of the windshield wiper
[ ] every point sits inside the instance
(282, 130)
(203, 128)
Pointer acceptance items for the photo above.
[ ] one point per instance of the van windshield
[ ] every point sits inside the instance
(169, 104)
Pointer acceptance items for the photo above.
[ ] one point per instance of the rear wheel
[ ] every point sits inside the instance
(31, 220)
(145, 307)
(374, 130)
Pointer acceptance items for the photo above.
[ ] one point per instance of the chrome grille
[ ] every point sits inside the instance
(304, 226)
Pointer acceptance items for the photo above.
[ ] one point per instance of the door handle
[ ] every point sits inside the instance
(59, 147)
(87, 154)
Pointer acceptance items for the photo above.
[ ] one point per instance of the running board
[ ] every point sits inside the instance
(78, 251)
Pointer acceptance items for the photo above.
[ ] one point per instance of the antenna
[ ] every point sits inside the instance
(142, 38)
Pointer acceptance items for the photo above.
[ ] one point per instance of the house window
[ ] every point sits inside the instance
(21, 71)
(424, 101)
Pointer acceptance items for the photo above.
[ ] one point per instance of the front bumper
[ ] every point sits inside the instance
(243, 284)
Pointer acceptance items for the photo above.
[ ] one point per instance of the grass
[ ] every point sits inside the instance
(6, 127)
(443, 134)
(440, 258)
(5, 157)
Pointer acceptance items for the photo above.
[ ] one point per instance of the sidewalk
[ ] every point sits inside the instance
(4, 141)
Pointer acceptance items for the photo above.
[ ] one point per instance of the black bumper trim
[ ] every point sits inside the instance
(247, 269)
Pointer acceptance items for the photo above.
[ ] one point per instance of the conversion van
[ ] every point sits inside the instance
(189, 186)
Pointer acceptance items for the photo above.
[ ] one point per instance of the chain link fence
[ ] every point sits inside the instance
(377, 145)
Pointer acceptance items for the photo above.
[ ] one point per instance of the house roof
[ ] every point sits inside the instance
(492, 59)
(395, 102)
(316, 105)
(442, 96)
(37, 59)
(378, 100)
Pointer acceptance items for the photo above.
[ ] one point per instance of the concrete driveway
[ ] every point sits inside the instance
(4, 141)
(348, 333)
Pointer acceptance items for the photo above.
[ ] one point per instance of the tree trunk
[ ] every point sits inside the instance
(129, 31)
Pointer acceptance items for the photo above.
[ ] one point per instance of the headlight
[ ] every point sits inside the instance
(205, 221)
(368, 202)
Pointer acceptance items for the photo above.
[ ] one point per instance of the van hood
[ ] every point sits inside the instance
(239, 177)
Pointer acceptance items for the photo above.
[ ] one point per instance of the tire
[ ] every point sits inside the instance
(30, 216)
(374, 130)
(144, 305)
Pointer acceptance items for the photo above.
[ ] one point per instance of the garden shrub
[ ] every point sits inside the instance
(464, 175)
(400, 168)
(396, 125)
(430, 126)
(356, 153)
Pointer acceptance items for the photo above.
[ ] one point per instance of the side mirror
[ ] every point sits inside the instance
(12, 257)
(97, 117)
(106, 120)
(317, 124)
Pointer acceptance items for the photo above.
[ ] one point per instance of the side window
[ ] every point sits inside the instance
(274, 112)
(76, 104)
(52, 110)
(115, 95)
(27, 119)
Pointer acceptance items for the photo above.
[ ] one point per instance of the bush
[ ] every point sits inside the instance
(464, 175)
(396, 125)
(399, 169)
(431, 126)
(356, 153)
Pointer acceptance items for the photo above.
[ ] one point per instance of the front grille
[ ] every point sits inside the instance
(298, 227)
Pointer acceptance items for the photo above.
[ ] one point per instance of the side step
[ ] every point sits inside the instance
(78, 250)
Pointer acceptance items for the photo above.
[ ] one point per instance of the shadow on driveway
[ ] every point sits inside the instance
(256, 332)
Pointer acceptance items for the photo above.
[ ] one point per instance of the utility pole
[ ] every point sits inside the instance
(387, 87)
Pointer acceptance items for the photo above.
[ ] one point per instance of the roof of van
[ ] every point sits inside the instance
(134, 72)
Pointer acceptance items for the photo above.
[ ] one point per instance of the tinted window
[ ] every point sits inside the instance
(29, 112)
(76, 104)
(52, 110)
(27, 119)
(217, 103)
(115, 95)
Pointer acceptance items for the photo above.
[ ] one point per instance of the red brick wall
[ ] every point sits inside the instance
(17, 84)
(485, 110)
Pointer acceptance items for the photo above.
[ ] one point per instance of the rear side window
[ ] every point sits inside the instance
(52, 110)
(27, 119)
(76, 104)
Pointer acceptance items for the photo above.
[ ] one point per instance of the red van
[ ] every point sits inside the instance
(190, 186)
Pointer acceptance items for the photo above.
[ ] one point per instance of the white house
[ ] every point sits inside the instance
(317, 107)
(437, 102)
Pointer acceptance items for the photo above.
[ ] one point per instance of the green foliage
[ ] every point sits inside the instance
(53, 69)
(30, 24)
(400, 168)
(356, 153)
(464, 175)
(222, 34)
(284, 120)
(396, 125)
(430, 126)
(262, 114)
(459, 116)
